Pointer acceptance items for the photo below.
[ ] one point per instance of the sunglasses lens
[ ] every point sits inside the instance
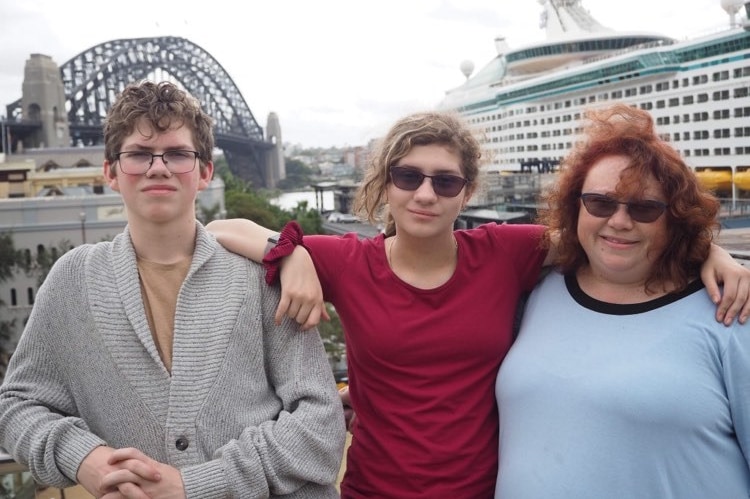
(448, 185)
(645, 211)
(599, 206)
(406, 179)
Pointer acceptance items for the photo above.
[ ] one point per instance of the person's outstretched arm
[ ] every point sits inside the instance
(721, 268)
(301, 294)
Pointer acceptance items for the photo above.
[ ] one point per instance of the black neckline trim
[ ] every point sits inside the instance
(591, 303)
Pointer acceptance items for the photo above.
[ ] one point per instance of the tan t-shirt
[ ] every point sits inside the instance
(160, 285)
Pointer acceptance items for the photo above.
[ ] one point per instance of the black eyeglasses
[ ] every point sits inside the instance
(443, 184)
(602, 206)
(139, 162)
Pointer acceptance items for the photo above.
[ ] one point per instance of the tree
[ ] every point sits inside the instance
(10, 260)
(309, 219)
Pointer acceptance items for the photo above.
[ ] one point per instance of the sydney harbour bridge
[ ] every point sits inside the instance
(92, 80)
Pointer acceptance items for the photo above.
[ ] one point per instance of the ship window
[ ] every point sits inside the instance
(674, 101)
(660, 104)
(30, 295)
(646, 106)
(721, 114)
(721, 95)
(676, 119)
(686, 118)
(740, 92)
(629, 92)
(685, 135)
(646, 89)
(676, 137)
(702, 98)
(742, 132)
(13, 297)
(720, 76)
(675, 83)
(685, 82)
(617, 94)
(688, 99)
(721, 133)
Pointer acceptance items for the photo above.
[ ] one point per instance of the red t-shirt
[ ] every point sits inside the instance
(422, 363)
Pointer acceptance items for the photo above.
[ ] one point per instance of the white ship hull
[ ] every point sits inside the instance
(698, 92)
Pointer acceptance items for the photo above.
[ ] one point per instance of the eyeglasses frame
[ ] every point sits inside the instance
(402, 168)
(153, 158)
(628, 204)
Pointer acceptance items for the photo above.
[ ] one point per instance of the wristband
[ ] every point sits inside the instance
(273, 241)
(290, 238)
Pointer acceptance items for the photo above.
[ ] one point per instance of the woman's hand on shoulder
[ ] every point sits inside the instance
(734, 301)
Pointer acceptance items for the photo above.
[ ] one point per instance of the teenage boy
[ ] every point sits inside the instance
(151, 365)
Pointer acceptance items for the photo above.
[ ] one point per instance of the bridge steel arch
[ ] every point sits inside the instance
(93, 79)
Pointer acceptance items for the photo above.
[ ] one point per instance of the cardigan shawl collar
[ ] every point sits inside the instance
(117, 306)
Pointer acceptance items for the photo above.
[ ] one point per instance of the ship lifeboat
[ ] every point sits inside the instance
(715, 180)
(742, 180)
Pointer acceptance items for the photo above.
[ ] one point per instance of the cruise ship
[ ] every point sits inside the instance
(528, 102)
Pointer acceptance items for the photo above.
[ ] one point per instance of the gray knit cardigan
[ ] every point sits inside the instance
(249, 410)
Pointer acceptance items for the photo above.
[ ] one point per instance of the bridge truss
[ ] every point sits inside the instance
(93, 79)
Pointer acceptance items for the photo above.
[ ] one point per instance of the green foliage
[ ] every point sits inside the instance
(10, 260)
(309, 219)
(256, 208)
(10, 257)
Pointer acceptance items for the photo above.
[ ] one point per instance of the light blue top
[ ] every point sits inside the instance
(624, 401)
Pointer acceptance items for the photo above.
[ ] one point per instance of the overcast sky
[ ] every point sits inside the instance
(337, 72)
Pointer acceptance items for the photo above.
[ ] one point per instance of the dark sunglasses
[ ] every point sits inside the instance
(409, 179)
(602, 206)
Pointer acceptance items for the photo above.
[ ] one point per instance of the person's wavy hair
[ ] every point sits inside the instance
(164, 106)
(419, 129)
(691, 210)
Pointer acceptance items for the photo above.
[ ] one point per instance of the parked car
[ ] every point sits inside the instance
(342, 218)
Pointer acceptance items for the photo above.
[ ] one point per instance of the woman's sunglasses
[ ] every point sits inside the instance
(444, 185)
(602, 206)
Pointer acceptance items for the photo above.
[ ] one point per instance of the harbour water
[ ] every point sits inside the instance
(289, 200)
